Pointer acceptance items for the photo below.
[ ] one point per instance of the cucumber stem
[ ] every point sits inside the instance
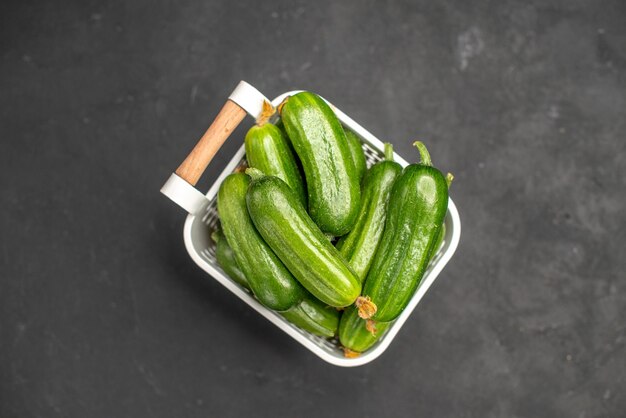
(349, 353)
(255, 173)
(365, 306)
(424, 154)
(449, 178)
(388, 151)
(280, 106)
(241, 168)
(267, 111)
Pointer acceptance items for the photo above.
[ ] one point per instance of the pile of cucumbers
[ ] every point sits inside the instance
(334, 247)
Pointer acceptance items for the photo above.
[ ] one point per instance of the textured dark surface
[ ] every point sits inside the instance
(102, 312)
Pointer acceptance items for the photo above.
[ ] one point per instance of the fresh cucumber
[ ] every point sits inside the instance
(417, 207)
(269, 151)
(280, 125)
(331, 178)
(358, 156)
(287, 228)
(270, 281)
(359, 246)
(442, 231)
(438, 241)
(226, 258)
(314, 316)
(356, 334)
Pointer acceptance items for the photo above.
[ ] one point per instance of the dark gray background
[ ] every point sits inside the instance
(103, 314)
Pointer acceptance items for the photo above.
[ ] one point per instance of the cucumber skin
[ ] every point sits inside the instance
(359, 246)
(331, 178)
(437, 244)
(417, 207)
(280, 125)
(268, 278)
(269, 151)
(358, 156)
(226, 259)
(314, 316)
(299, 243)
(354, 335)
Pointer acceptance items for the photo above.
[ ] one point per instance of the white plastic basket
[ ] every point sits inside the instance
(203, 218)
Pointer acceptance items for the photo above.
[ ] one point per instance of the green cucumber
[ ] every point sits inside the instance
(280, 125)
(270, 281)
(226, 259)
(356, 335)
(287, 228)
(438, 241)
(331, 177)
(417, 207)
(442, 231)
(269, 151)
(314, 316)
(358, 156)
(359, 246)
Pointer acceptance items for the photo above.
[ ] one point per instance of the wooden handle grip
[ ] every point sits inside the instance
(199, 158)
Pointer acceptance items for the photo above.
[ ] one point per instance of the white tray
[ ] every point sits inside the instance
(202, 250)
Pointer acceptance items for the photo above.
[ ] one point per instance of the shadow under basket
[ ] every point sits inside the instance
(202, 250)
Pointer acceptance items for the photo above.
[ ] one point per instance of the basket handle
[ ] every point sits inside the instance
(201, 155)
(180, 186)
